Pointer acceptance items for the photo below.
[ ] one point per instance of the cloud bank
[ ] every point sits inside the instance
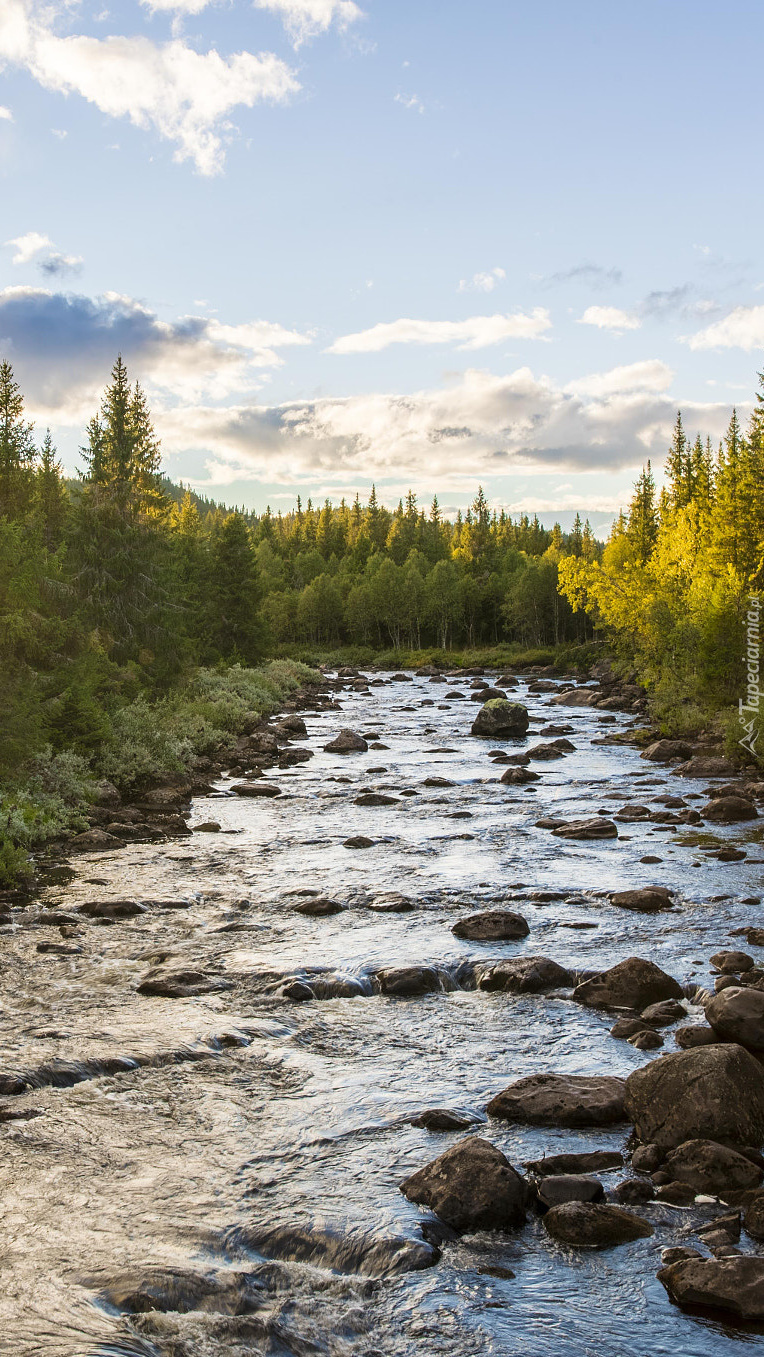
(474, 333)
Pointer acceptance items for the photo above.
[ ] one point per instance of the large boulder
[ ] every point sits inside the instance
(585, 1225)
(737, 1014)
(595, 828)
(347, 742)
(499, 717)
(555, 1189)
(663, 751)
(492, 925)
(709, 1167)
(562, 1100)
(645, 900)
(728, 810)
(706, 766)
(633, 983)
(525, 975)
(471, 1187)
(706, 1093)
(575, 697)
(408, 981)
(735, 1284)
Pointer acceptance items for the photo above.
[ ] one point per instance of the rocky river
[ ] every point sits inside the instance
(217, 1049)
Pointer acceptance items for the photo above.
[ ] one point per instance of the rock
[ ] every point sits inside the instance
(292, 725)
(663, 751)
(647, 900)
(648, 1040)
(633, 983)
(595, 828)
(180, 984)
(105, 794)
(754, 936)
(733, 1284)
(112, 909)
(711, 1093)
(592, 1161)
(289, 758)
(358, 841)
(318, 906)
(732, 963)
(704, 766)
(408, 981)
(499, 717)
(710, 1167)
(678, 1255)
(590, 1226)
(562, 1100)
(569, 1187)
(665, 1013)
(517, 777)
(471, 1187)
(376, 799)
(488, 694)
(629, 1027)
(575, 697)
(438, 782)
(525, 975)
(207, 827)
(493, 925)
(633, 1191)
(264, 789)
(737, 1014)
(347, 742)
(695, 1035)
(443, 1119)
(96, 841)
(728, 810)
(391, 902)
(547, 751)
(753, 1220)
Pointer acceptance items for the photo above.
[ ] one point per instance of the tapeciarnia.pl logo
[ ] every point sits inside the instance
(750, 707)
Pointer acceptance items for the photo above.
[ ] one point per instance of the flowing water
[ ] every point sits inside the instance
(220, 1174)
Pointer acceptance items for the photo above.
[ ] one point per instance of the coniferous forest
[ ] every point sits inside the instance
(140, 621)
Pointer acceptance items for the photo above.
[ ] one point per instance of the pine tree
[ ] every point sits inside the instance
(642, 527)
(235, 626)
(678, 467)
(51, 499)
(17, 450)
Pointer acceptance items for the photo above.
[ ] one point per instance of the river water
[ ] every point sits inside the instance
(234, 1187)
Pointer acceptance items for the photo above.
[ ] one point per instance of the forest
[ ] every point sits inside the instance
(135, 616)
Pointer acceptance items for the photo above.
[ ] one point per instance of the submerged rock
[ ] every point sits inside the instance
(180, 984)
(734, 1284)
(444, 1119)
(562, 1100)
(493, 925)
(500, 717)
(591, 1226)
(710, 1093)
(633, 983)
(472, 1186)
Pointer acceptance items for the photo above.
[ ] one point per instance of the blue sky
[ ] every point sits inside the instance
(427, 243)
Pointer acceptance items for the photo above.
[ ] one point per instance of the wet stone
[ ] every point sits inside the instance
(318, 906)
(492, 926)
(562, 1100)
(181, 984)
(553, 1190)
(593, 1226)
(471, 1187)
(444, 1119)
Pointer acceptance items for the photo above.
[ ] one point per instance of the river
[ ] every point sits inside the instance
(245, 1157)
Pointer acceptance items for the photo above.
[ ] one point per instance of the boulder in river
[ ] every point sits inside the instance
(391, 902)
(112, 909)
(180, 984)
(710, 1167)
(575, 697)
(588, 1161)
(472, 1186)
(737, 1014)
(525, 975)
(408, 981)
(728, 810)
(318, 906)
(347, 742)
(492, 925)
(376, 799)
(734, 1284)
(585, 1225)
(709, 1093)
(444, 1119)
(358, 841)
(663, 751)
(556, 1189)
(255, 789)
(518, 777)
(499, 717)
(633, 983)
(96, 841)
(732, 963)
(645, 900)
(703, 765)
(562, 1100)
(595, 828)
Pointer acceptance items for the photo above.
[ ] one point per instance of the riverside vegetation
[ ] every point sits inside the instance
(135, 619)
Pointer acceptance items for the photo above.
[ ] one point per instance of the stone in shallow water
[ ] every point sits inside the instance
(562, 1100)
(358, 841)
(569, 1187)
(181, 984)
(318, 906)
(471, 1187)
(595, 828)
(586, 1225)
(633, 983)
(347, 742)
(493, 925)
(647, 900)
(710, 1167)
(589, 1161)
(444, 1119)
(256, 789)
(714, 1093)
(499, 718)
(408, 981)
(525, 975)
(737, 1014)
(734, 1284)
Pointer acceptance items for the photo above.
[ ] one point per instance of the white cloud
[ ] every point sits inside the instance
(482, 282)
(62, 347)
(411, 101)
(303, 19)
(5, 114)
(186, 96)
(483, 426)
(649, 375)
(28, 246)
(743, 328)
(474, 333)
(57, 264)
(609, 318)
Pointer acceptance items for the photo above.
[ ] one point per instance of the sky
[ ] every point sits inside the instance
(420, 243)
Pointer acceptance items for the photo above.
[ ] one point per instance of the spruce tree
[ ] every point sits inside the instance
(51, 499)
(17, 449)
